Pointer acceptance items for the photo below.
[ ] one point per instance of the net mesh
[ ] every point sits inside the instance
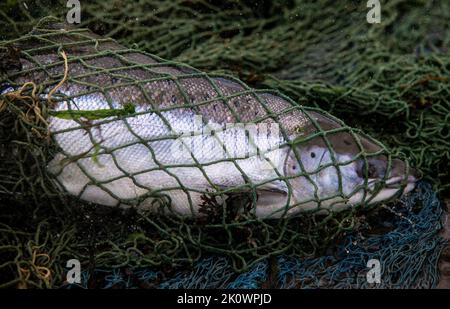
(386, 84)
(407, 253)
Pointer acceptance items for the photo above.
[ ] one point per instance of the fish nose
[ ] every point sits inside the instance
(399, 170)
(414, 173)
(377, 168)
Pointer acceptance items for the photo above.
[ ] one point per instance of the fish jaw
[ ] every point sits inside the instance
(336, 182)
(392, 188)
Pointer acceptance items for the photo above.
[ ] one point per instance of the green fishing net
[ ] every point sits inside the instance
(395, 89)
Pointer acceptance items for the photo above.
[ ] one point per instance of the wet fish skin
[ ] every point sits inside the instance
(126, 160)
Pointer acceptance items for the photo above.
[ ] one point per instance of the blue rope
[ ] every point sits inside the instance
(408, 257)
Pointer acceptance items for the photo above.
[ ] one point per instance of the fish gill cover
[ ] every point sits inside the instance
(395, 89)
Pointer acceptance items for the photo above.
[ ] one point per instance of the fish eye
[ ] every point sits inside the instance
(313, 154)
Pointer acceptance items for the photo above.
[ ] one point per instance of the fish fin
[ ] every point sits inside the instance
(276, 186)
(268, 194)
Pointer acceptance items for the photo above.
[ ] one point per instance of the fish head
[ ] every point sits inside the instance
(340, 167)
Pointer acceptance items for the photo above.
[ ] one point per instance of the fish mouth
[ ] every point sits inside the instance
(398, 182)
(393, 182)
(392, 187)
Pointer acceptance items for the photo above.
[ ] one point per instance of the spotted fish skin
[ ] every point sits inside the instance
(128, 160)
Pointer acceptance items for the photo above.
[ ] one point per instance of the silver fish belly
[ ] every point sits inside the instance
(192, 135)
(175, 154)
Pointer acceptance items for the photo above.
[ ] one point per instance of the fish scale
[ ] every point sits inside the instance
(191, 134)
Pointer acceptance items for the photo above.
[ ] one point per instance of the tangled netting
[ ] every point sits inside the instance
(390, 80)
(407, 254)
